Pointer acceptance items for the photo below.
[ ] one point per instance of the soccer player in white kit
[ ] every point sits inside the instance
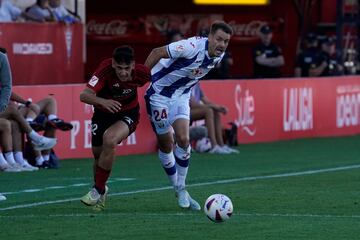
(175, 69)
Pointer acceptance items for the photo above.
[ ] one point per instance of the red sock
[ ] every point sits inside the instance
(101, 176)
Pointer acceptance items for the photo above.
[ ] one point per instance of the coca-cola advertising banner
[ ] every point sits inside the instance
(263, 110)
(42, 53)
(153, 28)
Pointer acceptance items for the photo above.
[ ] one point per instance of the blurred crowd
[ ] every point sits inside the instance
(36, 11)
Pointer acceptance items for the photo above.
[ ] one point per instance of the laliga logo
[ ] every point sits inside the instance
(246, 107)
(298, 109)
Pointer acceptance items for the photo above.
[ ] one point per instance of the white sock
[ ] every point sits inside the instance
(46, 157)
(52, 116)
(35, 136)
(2, 159)
(39, 160)
(29, 119)
(182, 157)
(168, 163)
(9, 156)
(19, 158)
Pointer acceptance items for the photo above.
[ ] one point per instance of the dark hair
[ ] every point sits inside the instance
(123, 54)
(221, 25)
(3, 50)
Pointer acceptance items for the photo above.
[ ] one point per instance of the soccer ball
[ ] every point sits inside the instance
(218, 208)
(203, 145)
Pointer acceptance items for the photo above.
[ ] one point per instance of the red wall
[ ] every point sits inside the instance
(264, 110)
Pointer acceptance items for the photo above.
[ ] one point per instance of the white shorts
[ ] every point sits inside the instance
(163, 111)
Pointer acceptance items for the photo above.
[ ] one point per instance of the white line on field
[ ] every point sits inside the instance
(74, 215)
(31, 190)
(281, 175)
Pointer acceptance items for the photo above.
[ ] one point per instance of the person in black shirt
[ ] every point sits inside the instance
(310, 62)
(328, 54)
(267, 57)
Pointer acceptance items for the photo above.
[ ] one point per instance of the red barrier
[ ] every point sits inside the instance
(44, 53)
(265, 110)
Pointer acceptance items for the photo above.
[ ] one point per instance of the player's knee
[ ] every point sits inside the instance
(109, 141)
(166, 146)
(183, 140)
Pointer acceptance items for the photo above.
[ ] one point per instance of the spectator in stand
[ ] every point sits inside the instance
(173, 36)
(309, 58)
(8, 11)
(42, 116)
(41, 11)
(202, 108)
(11, 157)
(328, 64)
(39, 142)
(267, 57)
(11, 13)
(61, 13)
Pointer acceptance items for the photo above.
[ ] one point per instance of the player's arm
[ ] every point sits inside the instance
(155, 56)
(89, 96)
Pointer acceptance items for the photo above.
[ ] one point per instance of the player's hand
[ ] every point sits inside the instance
(111, 106)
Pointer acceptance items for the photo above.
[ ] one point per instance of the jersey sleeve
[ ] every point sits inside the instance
(186, 48)
(97, 81)
(142, 75)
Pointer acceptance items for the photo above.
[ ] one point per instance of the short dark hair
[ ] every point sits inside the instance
(221, 25)
(123, 54)
(3, 50)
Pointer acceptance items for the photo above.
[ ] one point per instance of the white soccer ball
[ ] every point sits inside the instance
(218, 208)
(203, 145)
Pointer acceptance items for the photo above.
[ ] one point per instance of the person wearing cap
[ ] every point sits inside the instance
(309, 62)
(328, 53)
(267, 57)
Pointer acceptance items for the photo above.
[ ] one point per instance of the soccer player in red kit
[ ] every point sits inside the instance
(112, 91)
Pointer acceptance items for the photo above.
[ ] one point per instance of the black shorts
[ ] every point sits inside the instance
(102, 121)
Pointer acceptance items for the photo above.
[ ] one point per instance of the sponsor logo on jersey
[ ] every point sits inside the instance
(93, 81)
(179, 48)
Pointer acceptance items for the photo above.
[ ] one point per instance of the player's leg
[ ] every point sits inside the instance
(179, 117)
(158, 112)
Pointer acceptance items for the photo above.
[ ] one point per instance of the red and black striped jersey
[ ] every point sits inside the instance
(107, 85)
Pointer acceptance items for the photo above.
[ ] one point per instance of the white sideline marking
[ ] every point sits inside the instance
(281, 175)
(292, 215)
(62, 187)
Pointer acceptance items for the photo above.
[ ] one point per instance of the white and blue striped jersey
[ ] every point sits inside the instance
(189, 61)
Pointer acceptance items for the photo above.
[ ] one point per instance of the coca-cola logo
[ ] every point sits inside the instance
(247, 29)
(112, 28)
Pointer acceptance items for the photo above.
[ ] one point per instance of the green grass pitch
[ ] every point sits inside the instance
(299, 189)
